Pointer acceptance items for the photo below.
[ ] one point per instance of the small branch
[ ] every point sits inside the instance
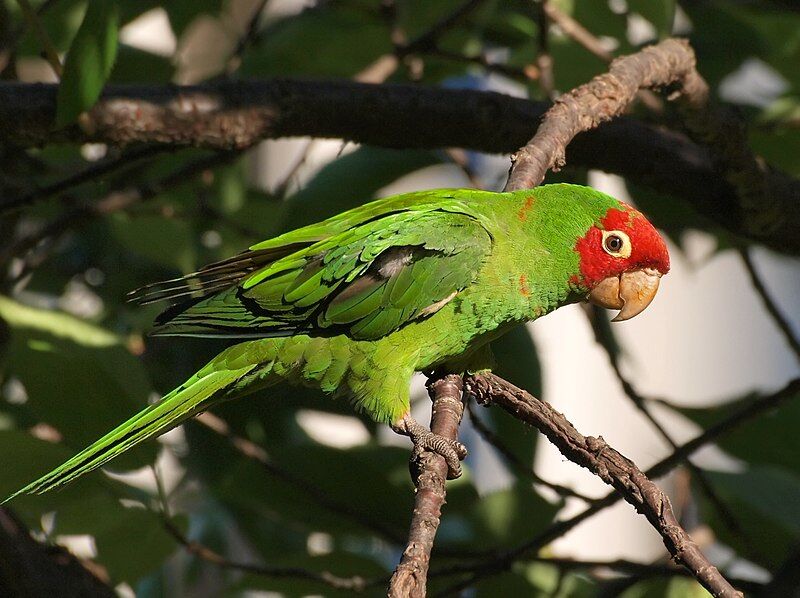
(603, 98)
(780, 320)
(427, 40)
(410, 576)
(355, 583)
(248, 38)
(610, 466)
(256, 453)
(520, 74)
(520, 467)
(35, 23)
(585, 38)
(117, 200)
(492, 563)
(544, 60)
(575, 31)
(91, 172)
(669, 63)
(28, 568)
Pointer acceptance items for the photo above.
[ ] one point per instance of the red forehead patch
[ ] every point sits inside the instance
(647, 247)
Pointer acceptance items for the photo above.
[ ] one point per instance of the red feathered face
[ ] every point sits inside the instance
(622, 261)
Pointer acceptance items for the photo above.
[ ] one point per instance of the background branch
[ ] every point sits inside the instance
(28, 568)
(229, 114)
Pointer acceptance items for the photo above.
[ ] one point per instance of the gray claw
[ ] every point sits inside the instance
(451, 450)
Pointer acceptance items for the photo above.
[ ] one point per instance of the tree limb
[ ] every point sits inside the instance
(236, 114)
(28, 568)
(410, 577)
(608, 464)
(670, 63)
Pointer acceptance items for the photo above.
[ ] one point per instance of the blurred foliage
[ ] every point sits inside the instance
(76, 359)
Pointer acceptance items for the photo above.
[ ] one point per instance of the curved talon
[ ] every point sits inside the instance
(424, 440)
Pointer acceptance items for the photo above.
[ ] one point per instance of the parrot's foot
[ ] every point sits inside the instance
(424, 440)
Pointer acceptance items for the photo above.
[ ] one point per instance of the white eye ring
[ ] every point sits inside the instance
(616, 243)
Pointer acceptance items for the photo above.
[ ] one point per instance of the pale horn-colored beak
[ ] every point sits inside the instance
(631, 292)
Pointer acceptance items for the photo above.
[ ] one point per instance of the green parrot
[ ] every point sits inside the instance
(358, 303)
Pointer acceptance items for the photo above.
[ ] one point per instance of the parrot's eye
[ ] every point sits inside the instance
(616, 243)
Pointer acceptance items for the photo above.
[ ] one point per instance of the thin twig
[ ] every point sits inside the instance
(492, 563)
(427, 40)
(256, 453)
(575, 31)
(355, 583)
(518, 466)
(480, 59)
(117, 200)
(410, 576)
(544, 60)
(93, 171)
(610, 466)
(248, 38)
(780, 320)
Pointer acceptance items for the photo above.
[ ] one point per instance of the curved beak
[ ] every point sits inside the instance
(631, 292)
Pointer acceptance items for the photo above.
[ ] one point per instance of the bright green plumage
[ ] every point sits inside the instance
(356, 304)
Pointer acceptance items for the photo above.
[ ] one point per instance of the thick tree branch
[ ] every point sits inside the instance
(608, 464)
(670, 63)
(28, 568)
(238, 114)
(410, 577)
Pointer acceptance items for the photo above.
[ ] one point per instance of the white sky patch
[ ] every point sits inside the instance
(754, 83)
(150, 32)
(338, 431)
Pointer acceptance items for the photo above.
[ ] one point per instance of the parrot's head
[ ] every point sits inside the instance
(622, 260)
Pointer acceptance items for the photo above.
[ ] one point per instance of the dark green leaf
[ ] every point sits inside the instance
(89, 61)
(79, 378)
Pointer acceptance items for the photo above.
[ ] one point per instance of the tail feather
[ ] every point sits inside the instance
(198, 394)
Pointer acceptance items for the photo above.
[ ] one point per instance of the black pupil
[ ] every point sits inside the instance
(614, 243)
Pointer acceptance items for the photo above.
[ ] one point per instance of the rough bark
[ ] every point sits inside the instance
(609, 465)
(410, 576)
(233, 114)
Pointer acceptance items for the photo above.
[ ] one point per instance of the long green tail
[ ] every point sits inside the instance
(201, 391)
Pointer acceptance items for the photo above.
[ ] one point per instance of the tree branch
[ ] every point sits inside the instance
(28, 568)
(669, 63)
(514, 461)
(608, 464)
(493, 563)
(605, 339)
(780, 320)
(229, 114)
(430, 473)
(253, 451)
(355, 583)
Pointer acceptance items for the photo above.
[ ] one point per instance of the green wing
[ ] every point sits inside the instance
(363, 273)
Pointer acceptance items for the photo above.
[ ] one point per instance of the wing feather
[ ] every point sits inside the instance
(364, 279)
